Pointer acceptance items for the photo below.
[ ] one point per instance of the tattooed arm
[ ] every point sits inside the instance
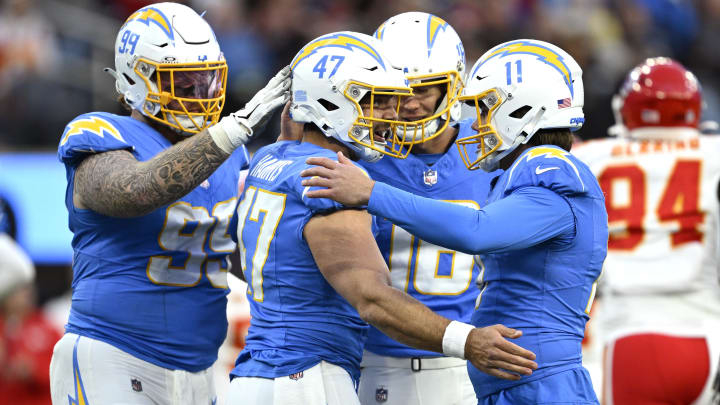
(114, 183)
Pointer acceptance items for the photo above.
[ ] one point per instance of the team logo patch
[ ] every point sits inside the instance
(381, 394)
(296, 376)
(430, 177)
(136, 385)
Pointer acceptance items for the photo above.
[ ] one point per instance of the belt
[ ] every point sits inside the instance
(414, 363)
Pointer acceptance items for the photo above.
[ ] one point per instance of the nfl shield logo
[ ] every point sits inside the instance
(381, 394)
(136, 385)
(430, 177)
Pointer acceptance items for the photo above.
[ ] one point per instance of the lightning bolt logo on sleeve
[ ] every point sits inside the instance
(338, 40)
(95, 125)
(434, 25)
(152, 15)
(547, 152)
(543, 54)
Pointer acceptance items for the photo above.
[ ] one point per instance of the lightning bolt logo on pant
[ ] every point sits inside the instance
(80, 397)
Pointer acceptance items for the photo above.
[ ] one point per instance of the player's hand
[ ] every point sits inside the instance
(289, 129)
(489, 351)
(258, 110)
(343, 181)
(237, 128)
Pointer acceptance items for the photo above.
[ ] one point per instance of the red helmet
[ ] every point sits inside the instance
(659, 93)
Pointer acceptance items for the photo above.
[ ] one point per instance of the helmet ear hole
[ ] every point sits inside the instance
(327, 105)
(520, 112)
(128, 79)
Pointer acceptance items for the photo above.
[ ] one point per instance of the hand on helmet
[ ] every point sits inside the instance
(237, 128)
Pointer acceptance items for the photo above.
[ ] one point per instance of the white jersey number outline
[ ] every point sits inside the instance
(679, 203)
(426, 277)
(253, 203)
(177, 236)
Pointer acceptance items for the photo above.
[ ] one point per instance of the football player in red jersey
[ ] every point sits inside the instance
(660, 312)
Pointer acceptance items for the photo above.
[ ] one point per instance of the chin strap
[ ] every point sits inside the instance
(112, 73)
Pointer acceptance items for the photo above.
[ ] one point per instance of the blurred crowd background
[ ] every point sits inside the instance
(52, 51)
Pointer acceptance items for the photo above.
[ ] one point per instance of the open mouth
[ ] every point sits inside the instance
(381, 135)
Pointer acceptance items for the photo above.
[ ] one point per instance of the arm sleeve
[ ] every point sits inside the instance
(527, 217)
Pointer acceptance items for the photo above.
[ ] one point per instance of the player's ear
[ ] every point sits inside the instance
(289, 129)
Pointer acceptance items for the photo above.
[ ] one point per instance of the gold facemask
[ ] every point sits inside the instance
(453, 88)
(486, 140)
(363, 129)
(191, 95)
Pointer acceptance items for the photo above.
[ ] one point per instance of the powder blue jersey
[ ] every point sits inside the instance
(440, 278)
(153, 286)
(546, 289)
(298, 319)
(542, 239)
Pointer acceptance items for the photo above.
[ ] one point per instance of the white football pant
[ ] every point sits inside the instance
(90, 372)
(322, 384)
(407, 381)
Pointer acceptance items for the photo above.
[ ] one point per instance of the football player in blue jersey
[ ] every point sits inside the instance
(313, 268)
(432, 55)
(542, 237)
(150, 197)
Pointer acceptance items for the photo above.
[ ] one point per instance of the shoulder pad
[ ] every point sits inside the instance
(318, 205)
(549, 167)
(91, 133)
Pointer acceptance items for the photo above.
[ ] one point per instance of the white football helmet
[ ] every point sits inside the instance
(518, 88)
(169, 67)
(331, 74)
(430, 53)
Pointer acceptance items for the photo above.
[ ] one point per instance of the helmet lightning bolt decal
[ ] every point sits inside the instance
(150, 14)
(544, 54)
(340, 41)
(80, 396)
(379, 32)
(434, 25)
(95, 125)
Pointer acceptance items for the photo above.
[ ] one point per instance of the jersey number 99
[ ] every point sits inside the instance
(186, 230)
